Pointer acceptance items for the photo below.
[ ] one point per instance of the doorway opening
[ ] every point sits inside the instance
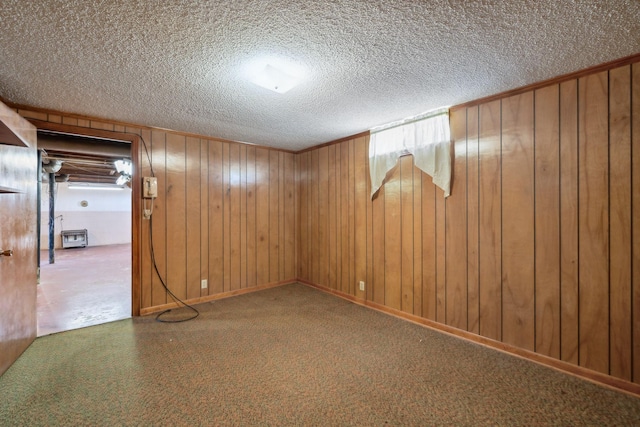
(86, 241)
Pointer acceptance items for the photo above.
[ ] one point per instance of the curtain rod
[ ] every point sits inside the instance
(419, 117)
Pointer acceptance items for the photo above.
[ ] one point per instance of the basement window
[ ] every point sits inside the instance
(427, 137)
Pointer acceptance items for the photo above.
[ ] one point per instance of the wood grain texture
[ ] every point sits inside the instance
(547, 221)
(620, 222)
(263, 213)
(158, 220)
(193, 217)
(407, 233)
(252, 235)
(216, 219)
(473, 204)
(393, 241)
(345, 221)
(635, 220)
(322, 275)
(235, 217)
(569, 235)
(428, 248)
(518, 237)
(204, 215)
(490, 221)
(456, 228)
(593, 221)
(226, 219)
(360, 214)
(176, 215)
(274, 217)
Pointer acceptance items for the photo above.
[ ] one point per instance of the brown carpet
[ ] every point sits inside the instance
(290, 355)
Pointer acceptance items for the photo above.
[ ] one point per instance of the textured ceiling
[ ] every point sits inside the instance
(183, 65)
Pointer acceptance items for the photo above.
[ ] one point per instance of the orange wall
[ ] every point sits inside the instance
(538, 246)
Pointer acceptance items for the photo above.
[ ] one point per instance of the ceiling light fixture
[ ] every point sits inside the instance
(274, 79)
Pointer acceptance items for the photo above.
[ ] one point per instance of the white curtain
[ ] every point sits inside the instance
(428, 139)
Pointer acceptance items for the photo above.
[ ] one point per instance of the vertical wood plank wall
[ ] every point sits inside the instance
(226, 212)
(539, 244)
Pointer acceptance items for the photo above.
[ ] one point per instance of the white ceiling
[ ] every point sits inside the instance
(182, 64)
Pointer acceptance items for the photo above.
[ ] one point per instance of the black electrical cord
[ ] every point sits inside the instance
(155, 265)
(164, 285)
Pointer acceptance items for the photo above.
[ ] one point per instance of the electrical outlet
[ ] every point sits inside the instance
(361, 285)
(203, 284)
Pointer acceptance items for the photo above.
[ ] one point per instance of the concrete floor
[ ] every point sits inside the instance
(85, 287)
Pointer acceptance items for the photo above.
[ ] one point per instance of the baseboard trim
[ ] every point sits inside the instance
(559, 365)
(208, 298)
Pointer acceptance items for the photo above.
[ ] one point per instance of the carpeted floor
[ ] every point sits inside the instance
(290, 355)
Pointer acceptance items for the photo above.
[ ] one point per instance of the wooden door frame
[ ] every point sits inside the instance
(136, 194)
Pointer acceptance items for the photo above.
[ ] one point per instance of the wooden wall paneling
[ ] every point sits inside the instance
(146, 267)
(473, 204)
(28, 114)
(340, 265)
(518, 239)
(290, 203)
(360, 213)
(456, 226)
(252, 236)
(176, 216)
(226, 219)
(204, 214)
(303, 227)
(569, 222)
(274, 216)
(406, 233)
(352, 217)
(193, 220)
(441, 251)
(635, 217)
(378, 281)
(216, 218)
(417, 241)
(323, 217)
(428, 248)
(282, 247)
(594, 222)
(314, 223)
(158, 218)
(242, 182)
(620, 222)
(95, 124)
(332, 280)
(547, 221)
(235, 217)
(74, 122)
(369, 279)
(263, 214)
(393, 240)
(344, 217)
(490, 221)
